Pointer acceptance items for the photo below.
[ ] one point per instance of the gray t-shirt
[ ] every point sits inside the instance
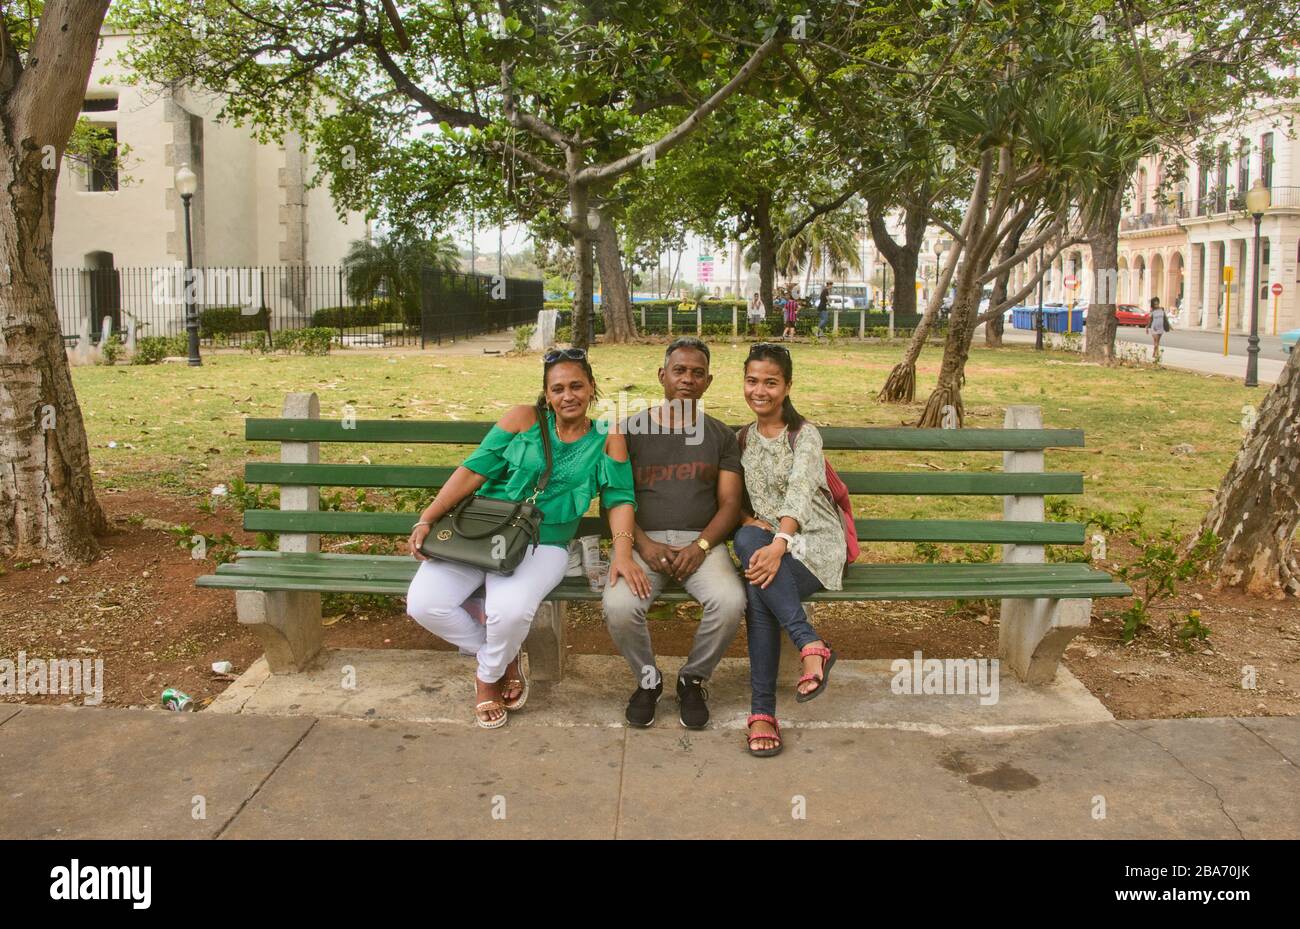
(677, 481)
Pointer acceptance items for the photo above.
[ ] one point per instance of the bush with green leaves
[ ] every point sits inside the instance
(152, 349)
(111, 349)
(523, 335)
(224, 320)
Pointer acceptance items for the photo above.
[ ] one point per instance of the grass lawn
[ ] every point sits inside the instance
(180, 430)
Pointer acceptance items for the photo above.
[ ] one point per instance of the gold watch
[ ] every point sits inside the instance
(703, 543)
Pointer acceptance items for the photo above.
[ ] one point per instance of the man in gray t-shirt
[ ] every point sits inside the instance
(686, 470)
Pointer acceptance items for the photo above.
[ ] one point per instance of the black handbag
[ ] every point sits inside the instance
(490, 534)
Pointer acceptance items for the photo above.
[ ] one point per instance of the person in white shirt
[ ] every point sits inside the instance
(1158, 326)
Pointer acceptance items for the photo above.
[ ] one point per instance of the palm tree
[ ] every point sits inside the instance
(829, 241)
(391, 266)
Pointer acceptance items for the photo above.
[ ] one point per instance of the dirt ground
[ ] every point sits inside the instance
(137, 608)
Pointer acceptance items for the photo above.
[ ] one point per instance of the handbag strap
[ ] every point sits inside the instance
(545, 476)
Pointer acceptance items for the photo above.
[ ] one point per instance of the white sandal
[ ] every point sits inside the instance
(491, 724)
(518, 702)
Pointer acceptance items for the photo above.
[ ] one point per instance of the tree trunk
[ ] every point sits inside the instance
(1103, 244)
(1257, 508)
(994, 327)
(615, 301)
(900, 386)
(47, 499)
(944, 407)
(584, 286)
(903, 259)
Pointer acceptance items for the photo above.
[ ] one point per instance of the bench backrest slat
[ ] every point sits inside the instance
(858, 482)
(833, 437)
(872, 530)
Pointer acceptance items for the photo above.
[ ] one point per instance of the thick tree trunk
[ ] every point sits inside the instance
(900, 386)
(47, 500)
(583, 289)
(1103, 244)
(903, 259)
(1257, 509)
(615, 301)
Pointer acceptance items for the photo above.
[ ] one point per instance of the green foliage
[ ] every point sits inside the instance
(1160, 566)
(111, 349)
(152, 349)
(522, 336)
(226, 320)
(1192, 631)
(258, 343)
(377, 312)
(312, 341)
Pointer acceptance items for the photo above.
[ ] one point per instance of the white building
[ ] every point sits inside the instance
(1177, 240)
(253, 208)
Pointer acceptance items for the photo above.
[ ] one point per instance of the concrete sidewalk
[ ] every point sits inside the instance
(107, 773)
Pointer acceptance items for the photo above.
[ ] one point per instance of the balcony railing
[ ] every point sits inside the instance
(1214, 204)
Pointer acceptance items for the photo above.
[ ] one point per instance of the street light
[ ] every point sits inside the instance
(187, 182)
(1258, 199)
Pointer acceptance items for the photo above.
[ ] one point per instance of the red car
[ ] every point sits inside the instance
(1129, 314)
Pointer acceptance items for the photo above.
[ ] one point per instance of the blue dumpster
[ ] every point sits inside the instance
(1059, 319)
(1022, 317)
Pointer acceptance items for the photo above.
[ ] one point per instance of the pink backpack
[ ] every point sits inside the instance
(837, 494)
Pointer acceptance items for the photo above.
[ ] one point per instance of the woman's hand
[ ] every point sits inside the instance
(625, 566)
(764, 563)
(418, 534)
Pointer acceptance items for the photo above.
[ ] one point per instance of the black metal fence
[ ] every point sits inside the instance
(234, 304)
(454, 305)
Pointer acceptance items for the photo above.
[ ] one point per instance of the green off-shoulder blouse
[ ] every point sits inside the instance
(513, 461)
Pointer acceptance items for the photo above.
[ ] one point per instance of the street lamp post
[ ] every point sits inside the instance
(1258, 200)
(186, 185)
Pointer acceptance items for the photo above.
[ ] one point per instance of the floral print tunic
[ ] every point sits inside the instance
(781, 482)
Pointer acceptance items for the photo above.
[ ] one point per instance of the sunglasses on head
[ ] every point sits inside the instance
(569, 354)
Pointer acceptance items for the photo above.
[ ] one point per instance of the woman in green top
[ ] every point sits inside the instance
(587, 459)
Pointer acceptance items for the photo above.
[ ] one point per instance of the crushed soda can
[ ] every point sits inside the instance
(173, 699)
(222, 667)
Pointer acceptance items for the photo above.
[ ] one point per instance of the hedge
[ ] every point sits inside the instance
(229, 319)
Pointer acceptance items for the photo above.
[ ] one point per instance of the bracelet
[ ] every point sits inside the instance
(624, 534)
(789, 539)
(422, 522)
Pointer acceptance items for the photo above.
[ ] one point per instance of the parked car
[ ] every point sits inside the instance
(1289, 339)
(1129, 314)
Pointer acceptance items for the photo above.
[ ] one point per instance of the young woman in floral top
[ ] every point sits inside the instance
(790, 545)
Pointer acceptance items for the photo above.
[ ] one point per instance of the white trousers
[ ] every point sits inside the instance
(438, 593)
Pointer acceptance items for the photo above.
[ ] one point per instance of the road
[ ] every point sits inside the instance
(1270, 346)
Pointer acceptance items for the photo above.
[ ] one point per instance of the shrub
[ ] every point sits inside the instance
(257, 342)
(111, 349)
(522, 336)
(378, 311)
(315, 341)
(214, 320)
(152, 349)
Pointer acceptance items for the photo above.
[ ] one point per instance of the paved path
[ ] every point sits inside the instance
(108, 773)
(1200, 352)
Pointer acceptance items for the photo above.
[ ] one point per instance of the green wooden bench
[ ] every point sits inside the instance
(1044, 605)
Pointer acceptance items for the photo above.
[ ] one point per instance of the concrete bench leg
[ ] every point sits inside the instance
(545, 643)
(287, 622)
(1034, 633)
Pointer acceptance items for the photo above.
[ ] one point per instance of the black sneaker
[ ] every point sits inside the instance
(692, 696)
(641, 708)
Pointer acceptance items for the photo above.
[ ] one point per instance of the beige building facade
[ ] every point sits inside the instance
(120, 223)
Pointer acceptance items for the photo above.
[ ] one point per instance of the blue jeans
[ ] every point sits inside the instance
(769, 611)
(822, 317)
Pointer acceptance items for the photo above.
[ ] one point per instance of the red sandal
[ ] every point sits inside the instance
(776, 737)
(828, 661)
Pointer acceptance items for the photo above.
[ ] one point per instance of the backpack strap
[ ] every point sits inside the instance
(742, 436)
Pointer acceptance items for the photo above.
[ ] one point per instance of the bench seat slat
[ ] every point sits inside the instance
(869, 530)
(858, 482)
(833, 437)
(391, 574)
